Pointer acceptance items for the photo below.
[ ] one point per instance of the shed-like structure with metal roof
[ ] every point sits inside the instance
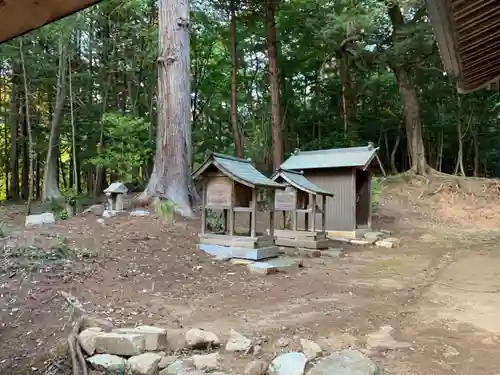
(347, 174)
(300, 200)
(18, 17)
(231, 185)
(468, 36)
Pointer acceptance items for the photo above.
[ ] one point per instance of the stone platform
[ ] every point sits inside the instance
(304, 239)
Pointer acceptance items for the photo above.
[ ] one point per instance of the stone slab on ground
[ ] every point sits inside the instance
(237, 342)
(255, 254)
(154, 338)
(362, 242)
(310, 244)
(206, 362)
(346, 362)
(241, 262)
(120, 344)
(374, 236)
(262, 268)
(143, 364)
(39, 219)
(111, 364)
(139, 213)
(332, 253)
(197, 338)
(286, 264)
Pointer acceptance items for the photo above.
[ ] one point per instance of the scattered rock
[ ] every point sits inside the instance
(257, 350)
(374, 236)
(384, 243)
(244, 262)
(262, 268)
(282, 342)
(176, 339)
(198, 338)
(95, 209)
(346, 362)
(45, 218)
(166, 361)
(120, 344)
(310, 349)
(111, 364)
(332, 253)
(154, 338)
(139, 213)
(383, 340)
(179, 367)
(286, 264)
(257, 367)
(237, 342)
(292, 363)
(87, 339)
(143, 364)
(206, 362)
(358, 241)
(308, 253)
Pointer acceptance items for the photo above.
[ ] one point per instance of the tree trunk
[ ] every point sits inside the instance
(413, 122)
(460, 158)
(171, 176)
(277, 136)
(73, 129)
(418, 161)
(348, 100)
(15, 107)
(50, 175)
(238, 141)
(394, 169)
(28, 128)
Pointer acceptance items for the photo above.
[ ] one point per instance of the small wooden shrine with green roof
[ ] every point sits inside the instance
(300, 197)
(231, 185)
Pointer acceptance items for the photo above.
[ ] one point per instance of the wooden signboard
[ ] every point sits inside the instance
(285, 200)
(219, 192)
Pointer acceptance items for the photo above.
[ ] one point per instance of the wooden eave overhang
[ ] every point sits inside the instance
(18, 17)
(468, 37)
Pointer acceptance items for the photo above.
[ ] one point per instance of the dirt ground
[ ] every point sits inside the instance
(439, 289)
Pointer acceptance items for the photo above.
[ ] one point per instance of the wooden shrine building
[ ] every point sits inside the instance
(231, 185)
(300, 198)
(347, 173)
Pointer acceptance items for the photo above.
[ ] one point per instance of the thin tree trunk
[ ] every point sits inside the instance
(50, 175)
(15, 107)
(348, 100)
(272, 49)
(439, 166)
(238, 141)
(73, 129)
(171, 174)
(28, 125)
(460, 158)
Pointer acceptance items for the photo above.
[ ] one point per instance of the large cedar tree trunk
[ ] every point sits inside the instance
(50, 179)
(171, 175)
(411, 104)
(238, 142)
(413, 122)
(277, 135)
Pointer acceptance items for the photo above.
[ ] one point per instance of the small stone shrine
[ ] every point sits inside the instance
(231, 185)
(300, 198)
(115, 193)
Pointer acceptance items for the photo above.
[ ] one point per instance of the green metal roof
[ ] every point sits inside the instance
(297, 180)
(237, 169)
(350, 157)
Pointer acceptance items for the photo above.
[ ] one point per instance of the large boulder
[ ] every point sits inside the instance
(143, 364)
(346, 362)
(237, 342)
(199, 339)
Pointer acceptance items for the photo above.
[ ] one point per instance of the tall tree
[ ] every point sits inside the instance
(50, 175)
(171, 176)
(274, 82)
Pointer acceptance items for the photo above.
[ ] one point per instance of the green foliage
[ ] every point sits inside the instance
(126, 147)
(165, 209)
(215, 220)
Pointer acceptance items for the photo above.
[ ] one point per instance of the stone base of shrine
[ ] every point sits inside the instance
(308, 240)
(230, 252)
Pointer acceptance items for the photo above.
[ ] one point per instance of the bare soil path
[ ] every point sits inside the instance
(439, 290)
